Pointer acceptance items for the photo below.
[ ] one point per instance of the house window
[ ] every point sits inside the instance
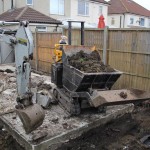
(100, 10)
(112, 21)
(131, 20)
(57, 7)
(142, 21)
(83, 7)
(41, 28)
(29, 2)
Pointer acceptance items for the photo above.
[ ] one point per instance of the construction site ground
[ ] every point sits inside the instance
(120, 128)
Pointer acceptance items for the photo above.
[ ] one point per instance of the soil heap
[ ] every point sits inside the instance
(89, 63)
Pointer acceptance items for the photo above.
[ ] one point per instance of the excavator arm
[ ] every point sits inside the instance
(31, 115)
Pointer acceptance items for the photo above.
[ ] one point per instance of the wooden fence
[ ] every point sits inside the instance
(44, 50)
(128, 50)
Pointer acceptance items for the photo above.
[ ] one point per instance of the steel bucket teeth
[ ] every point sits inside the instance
(32, 117)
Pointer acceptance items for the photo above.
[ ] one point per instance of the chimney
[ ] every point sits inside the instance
(12, 4)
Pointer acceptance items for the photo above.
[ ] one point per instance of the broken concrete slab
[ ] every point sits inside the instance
(52, 134)
(9, 68)
(43, 99)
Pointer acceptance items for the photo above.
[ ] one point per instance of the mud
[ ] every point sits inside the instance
(89, 63)
(121, 134)
(7, 142)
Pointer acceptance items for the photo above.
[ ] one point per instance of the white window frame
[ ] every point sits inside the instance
(29, 4)
(86, 8)
(131, 20)
(41, 30)
(58, 12)
(112, 21)
(100, 10)
(140, 22)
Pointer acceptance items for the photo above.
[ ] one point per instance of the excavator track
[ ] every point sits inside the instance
(72, 106)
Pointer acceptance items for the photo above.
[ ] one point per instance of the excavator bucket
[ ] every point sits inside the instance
(32, 117)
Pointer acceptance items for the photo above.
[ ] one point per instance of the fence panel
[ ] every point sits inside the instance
(129, 51)
(45, 43)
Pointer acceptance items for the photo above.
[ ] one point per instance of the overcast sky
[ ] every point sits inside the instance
(144, 3)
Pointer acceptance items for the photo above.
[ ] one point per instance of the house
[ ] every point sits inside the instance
(80, 10)
(127, 14)
(42, 22)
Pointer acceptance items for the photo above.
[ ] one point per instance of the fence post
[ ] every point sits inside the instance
(36, 50)
(105, 45)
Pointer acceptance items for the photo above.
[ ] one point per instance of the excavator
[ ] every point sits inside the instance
(20, 43)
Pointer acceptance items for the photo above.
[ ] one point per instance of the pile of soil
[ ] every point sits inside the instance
(89, 63)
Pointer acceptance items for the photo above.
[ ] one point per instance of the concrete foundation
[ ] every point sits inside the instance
(59, 128)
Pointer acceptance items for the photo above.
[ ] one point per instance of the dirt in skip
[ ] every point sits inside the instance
(120, 134)
(89, 63)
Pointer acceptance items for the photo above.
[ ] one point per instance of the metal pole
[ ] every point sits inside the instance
(12, 4)
(69, 32)
(36, 50)
(82, 33)
(105, 45)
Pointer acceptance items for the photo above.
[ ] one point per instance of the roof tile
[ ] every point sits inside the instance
(127, 6)
(27, 13)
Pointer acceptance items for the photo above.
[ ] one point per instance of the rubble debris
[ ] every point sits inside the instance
(146, 141)
(41, 85)
(9, 71)
(43, 99)
(2, 86)
(12, 79)
(39, 135)
(89, 63)
(2, 70)
(14, 117)
(66, 126)
(123, 95)
(55, 120)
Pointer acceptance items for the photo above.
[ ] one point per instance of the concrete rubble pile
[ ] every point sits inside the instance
(8, 89)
